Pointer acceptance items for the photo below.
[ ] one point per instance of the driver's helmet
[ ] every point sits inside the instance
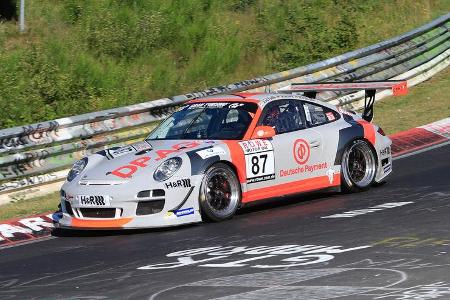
(272, 116)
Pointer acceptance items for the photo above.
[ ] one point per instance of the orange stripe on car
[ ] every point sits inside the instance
(237, 158)
(299, 186)
(369, 131)
(251, 128)
(114, 223)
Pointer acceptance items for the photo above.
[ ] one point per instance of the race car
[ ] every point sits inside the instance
(216, 154)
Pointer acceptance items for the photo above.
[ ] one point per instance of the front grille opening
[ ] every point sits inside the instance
(68, 208)
(151, 193)
(144, 194)
(149, 207)
(98, 212)
(159, 193)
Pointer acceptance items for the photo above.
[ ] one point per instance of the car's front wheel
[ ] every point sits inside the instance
(358, 166)
(220, 193)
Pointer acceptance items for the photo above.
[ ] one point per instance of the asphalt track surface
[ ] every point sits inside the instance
(398, 250)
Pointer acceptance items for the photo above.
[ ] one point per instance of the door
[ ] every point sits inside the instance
(297, 151)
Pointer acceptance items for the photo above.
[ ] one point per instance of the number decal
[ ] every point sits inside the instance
(255, 165)
(264, 156)
(260, 166)
(259, 160)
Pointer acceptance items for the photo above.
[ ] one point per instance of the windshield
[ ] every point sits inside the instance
(209, 120)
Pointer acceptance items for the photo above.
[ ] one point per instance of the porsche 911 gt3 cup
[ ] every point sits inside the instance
(215, 154)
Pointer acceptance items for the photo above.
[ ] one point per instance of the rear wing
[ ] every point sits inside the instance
(399, 88)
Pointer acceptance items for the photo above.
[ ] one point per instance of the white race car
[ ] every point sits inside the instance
(217, 153)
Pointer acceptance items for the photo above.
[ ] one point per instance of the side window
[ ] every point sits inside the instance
(284, 116)
(318, 115)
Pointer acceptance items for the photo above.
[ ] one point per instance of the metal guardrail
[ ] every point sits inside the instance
(35, 154)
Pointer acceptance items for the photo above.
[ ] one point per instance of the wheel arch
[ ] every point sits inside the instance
(340, 152)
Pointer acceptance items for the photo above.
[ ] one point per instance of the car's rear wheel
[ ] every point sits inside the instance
(220, 193)
(358, 166)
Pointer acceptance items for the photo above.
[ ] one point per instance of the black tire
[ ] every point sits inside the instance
(358, 166)
(220, 193)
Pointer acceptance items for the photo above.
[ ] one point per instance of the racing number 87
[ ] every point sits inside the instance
(259, 164)
(256, 168)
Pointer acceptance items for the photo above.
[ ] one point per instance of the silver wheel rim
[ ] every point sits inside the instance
(221, 191)
(359, 164)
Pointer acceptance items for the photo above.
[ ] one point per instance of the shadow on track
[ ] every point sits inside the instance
(304, 204)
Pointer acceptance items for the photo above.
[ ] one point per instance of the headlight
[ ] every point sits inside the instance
(77, 168)
(165, 170)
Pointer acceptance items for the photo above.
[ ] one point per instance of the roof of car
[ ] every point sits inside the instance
(259, 98)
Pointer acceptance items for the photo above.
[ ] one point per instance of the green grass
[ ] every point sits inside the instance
(24, 208)
(80, 56)
(424, 104)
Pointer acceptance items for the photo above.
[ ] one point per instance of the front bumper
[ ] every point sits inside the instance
(129, 208)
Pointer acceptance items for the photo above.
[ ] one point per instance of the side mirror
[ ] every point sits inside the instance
(263, 132)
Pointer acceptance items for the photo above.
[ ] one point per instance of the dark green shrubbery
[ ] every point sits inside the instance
(82, 55)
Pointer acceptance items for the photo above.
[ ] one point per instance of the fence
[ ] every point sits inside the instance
(34, 159)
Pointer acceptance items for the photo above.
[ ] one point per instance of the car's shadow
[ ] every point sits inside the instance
(63, 232)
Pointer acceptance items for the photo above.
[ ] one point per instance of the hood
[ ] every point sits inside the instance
(142, 158)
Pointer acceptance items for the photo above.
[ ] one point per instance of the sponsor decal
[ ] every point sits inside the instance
(259, 160)
(250, 107)
(235, 105)
(330, 174)
(268, 99)
(184, 212)
(141, 146)
(254, 146)
(176, 148)
(128, 170)
(208, 105)
(261, 257)
(307, 113)
(184, 183)
(301, 151)
(89, 200)
(121, 151)
(214, 151)
(359, 212)
(261, 178)
(330, 116)
(304, 169)
(386, 164)
(386, 151)
(343, 111)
